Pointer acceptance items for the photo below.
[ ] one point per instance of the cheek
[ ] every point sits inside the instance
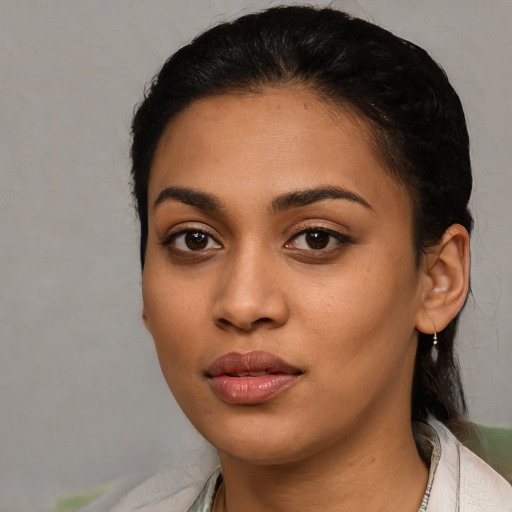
(364, 313)
(174, 317)
(173, 314)
(362, 330)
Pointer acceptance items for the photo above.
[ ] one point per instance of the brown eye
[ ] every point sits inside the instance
(317, 239)
(190, 241)
(196, 241)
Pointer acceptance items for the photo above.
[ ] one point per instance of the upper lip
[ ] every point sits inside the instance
(242, 365)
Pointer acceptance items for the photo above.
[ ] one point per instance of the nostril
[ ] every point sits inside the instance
(224, 323)
(244, 306)
(263, 321)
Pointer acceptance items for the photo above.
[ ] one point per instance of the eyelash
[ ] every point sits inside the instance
(341, 239)
(170, 240)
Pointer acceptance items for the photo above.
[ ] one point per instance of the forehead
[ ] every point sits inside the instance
(260, 116)
(270, 141)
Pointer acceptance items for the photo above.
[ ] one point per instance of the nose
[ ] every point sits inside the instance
(249, 295)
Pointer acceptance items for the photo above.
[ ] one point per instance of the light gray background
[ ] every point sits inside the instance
(82, 400)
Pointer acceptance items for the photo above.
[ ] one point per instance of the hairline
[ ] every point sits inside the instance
(380, 140)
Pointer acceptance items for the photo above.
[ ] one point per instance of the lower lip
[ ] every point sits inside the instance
(251, 390)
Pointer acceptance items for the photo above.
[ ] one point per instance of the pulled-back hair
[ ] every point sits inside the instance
(416, 117)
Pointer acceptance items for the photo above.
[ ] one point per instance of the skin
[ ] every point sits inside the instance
(346, 315)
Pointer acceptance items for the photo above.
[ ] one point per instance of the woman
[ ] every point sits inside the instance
(302, 181)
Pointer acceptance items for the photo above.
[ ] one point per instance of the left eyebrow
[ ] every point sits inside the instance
(313, 195)
(191, 197)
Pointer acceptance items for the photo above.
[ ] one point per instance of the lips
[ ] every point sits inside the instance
(251, 378)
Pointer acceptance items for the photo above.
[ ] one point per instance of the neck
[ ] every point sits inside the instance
(380, 472)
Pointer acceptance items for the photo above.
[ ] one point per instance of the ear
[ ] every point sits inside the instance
(445, 280)
(145, 319)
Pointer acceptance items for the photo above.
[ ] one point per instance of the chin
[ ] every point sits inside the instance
(263, 454)
(263, 443)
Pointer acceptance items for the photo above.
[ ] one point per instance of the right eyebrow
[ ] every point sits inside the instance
(305, 197)
(191, 197)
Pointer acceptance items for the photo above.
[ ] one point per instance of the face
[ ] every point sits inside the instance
(280, 283)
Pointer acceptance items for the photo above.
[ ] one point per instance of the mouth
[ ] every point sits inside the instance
(251, 378)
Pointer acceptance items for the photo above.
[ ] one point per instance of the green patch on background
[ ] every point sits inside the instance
(492, 444)
(74, 503)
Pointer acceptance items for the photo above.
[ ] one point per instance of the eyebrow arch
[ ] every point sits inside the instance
(309, 196)
(189, 196)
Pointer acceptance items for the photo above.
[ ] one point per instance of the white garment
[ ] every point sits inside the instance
(461, 482)
(465, 483)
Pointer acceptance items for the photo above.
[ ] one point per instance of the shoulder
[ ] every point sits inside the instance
(464, 482)
(171, 488)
